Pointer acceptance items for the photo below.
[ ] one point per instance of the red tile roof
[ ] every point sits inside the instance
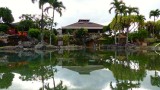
(84, 23)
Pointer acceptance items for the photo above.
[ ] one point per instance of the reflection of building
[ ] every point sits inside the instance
(84, 69)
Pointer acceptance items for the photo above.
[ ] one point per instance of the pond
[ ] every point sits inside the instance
(79, 70)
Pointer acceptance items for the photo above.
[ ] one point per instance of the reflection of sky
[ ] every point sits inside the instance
(18, 84)
(146, 83)
(96, 80)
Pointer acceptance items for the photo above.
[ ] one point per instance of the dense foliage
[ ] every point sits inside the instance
(25, 25)
(6, 15)
(34, 33)
(3, 27)
(138, 35)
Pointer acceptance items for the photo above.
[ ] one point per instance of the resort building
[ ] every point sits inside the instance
(94, 31)
(84, 23)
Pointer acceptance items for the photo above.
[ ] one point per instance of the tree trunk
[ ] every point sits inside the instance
(52, 27)
(115, 37)
(127, 36)
(42, 26)
(154, 26)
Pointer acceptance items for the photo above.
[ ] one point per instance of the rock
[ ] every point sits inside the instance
(48, 47)
(40, 46)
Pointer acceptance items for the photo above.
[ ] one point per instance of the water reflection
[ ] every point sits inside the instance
(79, 70)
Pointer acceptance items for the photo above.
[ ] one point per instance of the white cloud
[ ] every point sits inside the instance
(95, 10)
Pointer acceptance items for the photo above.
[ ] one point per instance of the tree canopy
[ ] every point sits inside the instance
(6, 15)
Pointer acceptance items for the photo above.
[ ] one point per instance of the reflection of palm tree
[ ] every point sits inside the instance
(155, 80)
(124, 85)
(58, 87)
(6, 80)
(124, 75)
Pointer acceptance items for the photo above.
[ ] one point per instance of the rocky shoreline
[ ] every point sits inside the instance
(76, 47)
(46, 47)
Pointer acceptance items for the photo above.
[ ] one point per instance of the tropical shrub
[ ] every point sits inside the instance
(47, 36)
(150, 40)
(81, 33)
(108, 40)
(65, 39)
(3, 27)
(81, 36)
(157, 29)
(140, 35)
(34, 33)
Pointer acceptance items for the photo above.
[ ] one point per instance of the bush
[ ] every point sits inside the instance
(34, 33)
(107, 40)
(150, 40)
(4, 27)
(140, 35)
(65, 39)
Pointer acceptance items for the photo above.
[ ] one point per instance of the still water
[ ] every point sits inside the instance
(79, 70)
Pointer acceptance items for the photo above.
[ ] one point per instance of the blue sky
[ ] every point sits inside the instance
(95, 10)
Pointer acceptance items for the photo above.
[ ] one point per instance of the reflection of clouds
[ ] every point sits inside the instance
(18, 84)
(146, 83)
(134, 65)
(96, 80)
(1, 75)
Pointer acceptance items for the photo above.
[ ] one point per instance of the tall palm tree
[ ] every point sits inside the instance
(116, 6)
(129, 11)
(56, 6)
(155, 14)
(41, 3)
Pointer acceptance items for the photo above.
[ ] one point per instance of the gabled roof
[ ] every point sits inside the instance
(84, 23)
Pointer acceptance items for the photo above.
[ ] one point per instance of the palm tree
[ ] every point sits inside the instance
(117, 6)
(129, 11)
(56, 6)
(155, 14)
(41, 3)
(140, 20)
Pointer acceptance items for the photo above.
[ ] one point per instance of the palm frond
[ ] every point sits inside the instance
(47, 9)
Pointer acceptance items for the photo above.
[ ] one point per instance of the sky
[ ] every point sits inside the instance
(95, 10)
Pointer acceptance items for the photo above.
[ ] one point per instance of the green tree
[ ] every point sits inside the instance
(155, 14)
(149, 26)
(25, 25)
(157, 28)
(129, 11)
(56, 6)
(6, 15)
(66, 39)
(116, 6)
(41, 6)
(107, 29)
(140, 19)
(81, 35)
